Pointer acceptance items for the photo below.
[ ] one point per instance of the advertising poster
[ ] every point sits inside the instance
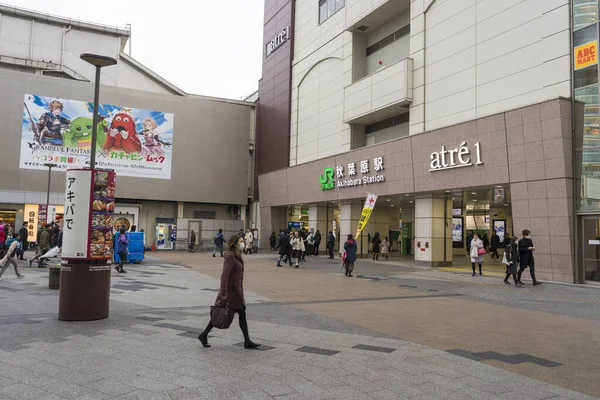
(585, 55)
(31, 216)
(103, 208)
(457, 232)
(77, 211)
(500, 228)
(131, 141)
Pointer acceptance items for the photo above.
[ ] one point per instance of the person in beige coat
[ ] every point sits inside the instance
(298, 248)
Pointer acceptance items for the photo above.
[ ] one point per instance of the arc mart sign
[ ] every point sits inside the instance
(371, 171)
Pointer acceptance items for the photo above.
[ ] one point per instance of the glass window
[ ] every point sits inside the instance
(585, 12)
(584, 35)
(322, 11)
(586, 76)
(588, 149)
(330, 8)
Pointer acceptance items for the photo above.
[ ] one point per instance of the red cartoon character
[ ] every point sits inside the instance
(122, 135)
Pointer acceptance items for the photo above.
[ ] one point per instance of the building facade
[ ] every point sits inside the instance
(460, 115)
(210, 178)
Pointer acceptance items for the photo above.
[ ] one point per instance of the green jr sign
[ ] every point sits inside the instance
(327, 182)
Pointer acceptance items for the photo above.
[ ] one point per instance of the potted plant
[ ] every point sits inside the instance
(54, 277)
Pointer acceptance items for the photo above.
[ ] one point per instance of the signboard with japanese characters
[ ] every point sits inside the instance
(88, 214)
(76, 228)
(347, 175)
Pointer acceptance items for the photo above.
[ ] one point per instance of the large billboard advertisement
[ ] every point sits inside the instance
(131, 141)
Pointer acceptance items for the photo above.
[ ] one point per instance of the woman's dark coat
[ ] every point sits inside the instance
(232, 281)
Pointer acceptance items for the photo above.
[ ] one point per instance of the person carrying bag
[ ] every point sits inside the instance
(230, 299)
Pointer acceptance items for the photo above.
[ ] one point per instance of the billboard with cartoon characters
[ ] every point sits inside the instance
(133, 142)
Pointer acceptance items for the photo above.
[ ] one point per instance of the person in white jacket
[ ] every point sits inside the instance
(249, 241)
(298, 248)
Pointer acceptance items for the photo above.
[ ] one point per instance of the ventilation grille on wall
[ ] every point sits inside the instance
(362, 28)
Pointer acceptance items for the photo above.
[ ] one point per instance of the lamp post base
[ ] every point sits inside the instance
(84, 290)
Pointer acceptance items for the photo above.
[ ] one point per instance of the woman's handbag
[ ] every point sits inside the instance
(481, 251)
(221, 316)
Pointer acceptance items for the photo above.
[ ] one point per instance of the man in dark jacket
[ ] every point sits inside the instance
(317, 243)
(219, 241)
(192, 245)
(350, 248)
(23, 238)
(495, 243)
(330, 243)
(284, 247)
(43, 245)
(526, 250)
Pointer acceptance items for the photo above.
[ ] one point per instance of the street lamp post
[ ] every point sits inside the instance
(49, 166)
(84, 280)
(99, 62)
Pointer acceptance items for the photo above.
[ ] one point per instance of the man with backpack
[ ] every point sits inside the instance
(218, 241)
(43, 245)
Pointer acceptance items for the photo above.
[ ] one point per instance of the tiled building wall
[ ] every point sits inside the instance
(529, 148)
(479, 57)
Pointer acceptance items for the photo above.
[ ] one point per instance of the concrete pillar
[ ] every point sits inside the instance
(433, 232)
(242, 216)
(349, 217)
(180, 205)
(317, 218)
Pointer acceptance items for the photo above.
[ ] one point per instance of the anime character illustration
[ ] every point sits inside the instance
(48, 129)
(152, 143)
(79, 134)
(122, 135)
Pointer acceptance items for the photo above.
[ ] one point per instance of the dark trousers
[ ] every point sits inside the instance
(514, 277)
(495, 253)
(285, 258)
(316, 249)
(243, 325)
(524, 264)
(330, 250)
(123, 259)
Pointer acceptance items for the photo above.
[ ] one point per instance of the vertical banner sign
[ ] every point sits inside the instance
(77, 214)
(31, 217)
(366, 213)
(103, 208)
(43, 214)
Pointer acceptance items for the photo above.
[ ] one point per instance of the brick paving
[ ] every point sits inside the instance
(325, 337)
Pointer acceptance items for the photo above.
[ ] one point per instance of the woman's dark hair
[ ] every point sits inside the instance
(123, 230)
(376, 234)
(514, 239)
(476, 234)
(526, 232)
(349, 236)
(233, 241)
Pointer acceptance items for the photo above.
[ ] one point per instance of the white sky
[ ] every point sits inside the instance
(207, 47)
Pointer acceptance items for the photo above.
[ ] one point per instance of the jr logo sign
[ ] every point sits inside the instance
(327, 182)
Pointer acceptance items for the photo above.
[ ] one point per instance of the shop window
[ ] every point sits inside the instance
(329, 7)
(199, 214)
(586, 76)
(587, 149)
(388, 40)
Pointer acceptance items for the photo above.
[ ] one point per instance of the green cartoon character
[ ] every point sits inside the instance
(79, 134)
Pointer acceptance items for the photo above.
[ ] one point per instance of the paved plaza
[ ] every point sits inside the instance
(393, 332)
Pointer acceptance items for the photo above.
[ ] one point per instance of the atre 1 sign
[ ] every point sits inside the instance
(585, 55)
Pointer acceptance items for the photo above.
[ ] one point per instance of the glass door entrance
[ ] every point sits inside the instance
(591, 248)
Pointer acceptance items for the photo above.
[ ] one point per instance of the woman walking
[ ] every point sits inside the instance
(231, 292)
(272, 241)
(122, 243)
(376, 242)
(385, 248)
(512, 259)
(350, 248)
(298, 248)
(477, 252)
